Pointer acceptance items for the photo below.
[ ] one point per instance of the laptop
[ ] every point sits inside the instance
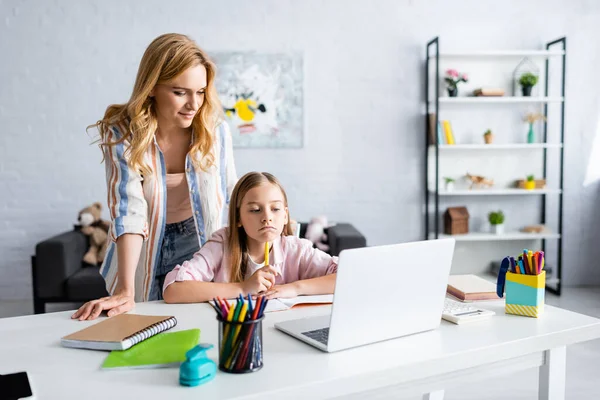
(381, 293)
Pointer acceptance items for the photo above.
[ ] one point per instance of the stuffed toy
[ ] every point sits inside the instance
(94, 227)
(315, 232)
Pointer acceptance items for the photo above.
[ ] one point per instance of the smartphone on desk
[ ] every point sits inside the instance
(15, 386)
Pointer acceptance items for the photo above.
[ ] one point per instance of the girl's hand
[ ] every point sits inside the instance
(261, 280)
(286, 291)
(118, 303)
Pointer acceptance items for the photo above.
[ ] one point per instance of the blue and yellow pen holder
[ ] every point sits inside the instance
(525, 294)
(240, 346)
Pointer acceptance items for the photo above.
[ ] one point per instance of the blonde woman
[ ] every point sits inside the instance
(169, 171)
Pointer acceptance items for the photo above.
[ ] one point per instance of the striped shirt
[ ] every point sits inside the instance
(137, 204)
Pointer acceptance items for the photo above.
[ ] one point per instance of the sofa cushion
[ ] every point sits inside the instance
(86, 284)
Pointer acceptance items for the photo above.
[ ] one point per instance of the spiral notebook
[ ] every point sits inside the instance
(119, 332)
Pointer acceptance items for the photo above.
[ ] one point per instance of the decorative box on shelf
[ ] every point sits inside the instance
(488, 92)
(456, 221)
(539, 183)
(535, 229)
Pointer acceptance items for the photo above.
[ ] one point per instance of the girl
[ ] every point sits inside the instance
(169, 172)
(232, 262)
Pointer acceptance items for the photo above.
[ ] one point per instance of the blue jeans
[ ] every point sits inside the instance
(179, 244)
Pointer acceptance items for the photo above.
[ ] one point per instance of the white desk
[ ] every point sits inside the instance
(424, 363)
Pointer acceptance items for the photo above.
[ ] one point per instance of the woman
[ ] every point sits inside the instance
(169, 170)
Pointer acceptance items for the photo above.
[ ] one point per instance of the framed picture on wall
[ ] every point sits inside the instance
(262, 97)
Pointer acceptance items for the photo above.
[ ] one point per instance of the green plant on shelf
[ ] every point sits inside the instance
(528, 79)
(496, 217)
(448, 179)
(530, 178)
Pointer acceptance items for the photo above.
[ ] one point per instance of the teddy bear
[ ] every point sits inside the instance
(315, 232)
(94, 227)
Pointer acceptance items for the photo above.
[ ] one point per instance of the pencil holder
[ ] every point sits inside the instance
(240, 346)
(525, 294)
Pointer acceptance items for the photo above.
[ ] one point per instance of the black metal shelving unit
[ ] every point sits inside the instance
(433, 55)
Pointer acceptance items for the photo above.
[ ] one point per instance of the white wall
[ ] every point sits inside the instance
(63, 62)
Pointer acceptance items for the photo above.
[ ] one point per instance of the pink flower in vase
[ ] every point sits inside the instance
(453, 78)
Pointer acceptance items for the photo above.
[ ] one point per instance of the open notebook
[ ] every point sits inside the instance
(119, 332)
(163, 350)
(286, 304)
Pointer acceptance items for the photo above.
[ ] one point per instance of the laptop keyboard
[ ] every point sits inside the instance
(320, 335)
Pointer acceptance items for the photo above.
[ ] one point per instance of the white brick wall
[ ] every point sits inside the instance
(63, 62)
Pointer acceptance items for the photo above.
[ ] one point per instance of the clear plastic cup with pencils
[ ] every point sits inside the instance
(240, 334)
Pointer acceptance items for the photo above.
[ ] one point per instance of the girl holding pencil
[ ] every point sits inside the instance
(255, 254)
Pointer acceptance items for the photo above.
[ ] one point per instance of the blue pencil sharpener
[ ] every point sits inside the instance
(197, 368)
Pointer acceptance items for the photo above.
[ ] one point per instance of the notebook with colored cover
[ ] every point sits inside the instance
(470, 288)
(119, 332)
(163, 350)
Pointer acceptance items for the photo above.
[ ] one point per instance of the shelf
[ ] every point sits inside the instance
(497, 192)
(502, 154)
(492, 237)
(503, 53)
(498, 99)
(513, 146)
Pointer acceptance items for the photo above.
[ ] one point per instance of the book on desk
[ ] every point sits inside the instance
(471, 288)
(119, 332)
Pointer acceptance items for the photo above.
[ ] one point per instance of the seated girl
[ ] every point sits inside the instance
(232, 262)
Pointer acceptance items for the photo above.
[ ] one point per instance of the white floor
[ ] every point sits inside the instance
(583, 360)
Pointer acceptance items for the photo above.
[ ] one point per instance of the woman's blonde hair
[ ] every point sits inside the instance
(237, 239)
(166, 57)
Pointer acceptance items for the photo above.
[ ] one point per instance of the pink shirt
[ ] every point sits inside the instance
(294, 257)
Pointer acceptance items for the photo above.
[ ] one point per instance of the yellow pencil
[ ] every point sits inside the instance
(226, 330)
(241, 318)
(266, 254)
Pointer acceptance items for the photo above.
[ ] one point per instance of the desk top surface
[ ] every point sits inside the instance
(292, 369)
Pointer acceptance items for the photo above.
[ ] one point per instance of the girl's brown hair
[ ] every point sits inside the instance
(166, 57)
(237, 238)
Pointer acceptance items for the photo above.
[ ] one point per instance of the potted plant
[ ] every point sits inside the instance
(530, 118)
(453, 78)
(527, 82)
(488, 136)
(449, 184)
(530, 182)
(496, 219)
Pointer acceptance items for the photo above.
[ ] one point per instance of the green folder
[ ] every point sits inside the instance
(162, 350)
